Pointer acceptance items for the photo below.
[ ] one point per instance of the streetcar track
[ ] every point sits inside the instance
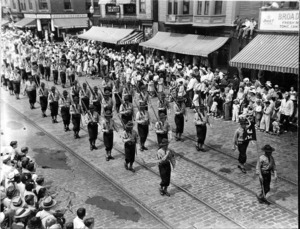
(121, 188)
(211, 171)
(95, 169)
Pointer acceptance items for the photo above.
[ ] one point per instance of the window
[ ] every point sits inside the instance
(186, 7)
(30, 4)
(43, 5)
(175, 7)
(67, 4)
(206, 7)
(293, 5)
(129, 9)
(143, 6)
(170, 4)
(199, 8)
(88, 4)
(14, 4)
(218, 7)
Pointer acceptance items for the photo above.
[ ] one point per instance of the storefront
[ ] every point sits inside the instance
(273, 55)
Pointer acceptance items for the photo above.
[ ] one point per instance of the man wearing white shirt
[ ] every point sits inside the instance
(78, 221)
(210, 75)
(190, 89)
(286, 110)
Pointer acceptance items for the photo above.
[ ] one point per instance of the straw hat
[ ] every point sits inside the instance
(48, 202)
(267, 148)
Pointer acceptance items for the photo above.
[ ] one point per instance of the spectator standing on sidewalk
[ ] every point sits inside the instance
(266, 118)
(286, 111)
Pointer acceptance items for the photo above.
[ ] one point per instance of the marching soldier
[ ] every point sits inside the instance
(264, 168)
(62, 73)
(65, 103)
(108, 126)
(96, 100)
(166, 157)
(130, 138)
(143, 120)
(85, 95)
(71, 74)
(200, 120)
(76, 112)
(54, 68)
(47, 68)
(53, 99)
(92, 119)
(107, 100)
(163, 104)
(241, 142)
(127, 91)
(144, 96)
(126, 110)
(117, 91)
(43, 93)
(75, 89)
(179, 109)
(30, 88)
(162, 128)
(17, 82)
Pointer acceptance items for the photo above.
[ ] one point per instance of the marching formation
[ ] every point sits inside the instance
(129, 81)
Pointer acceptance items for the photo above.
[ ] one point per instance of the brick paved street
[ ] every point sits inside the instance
(206, 181)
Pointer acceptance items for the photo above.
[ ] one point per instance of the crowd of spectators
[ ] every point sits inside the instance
(26, 202)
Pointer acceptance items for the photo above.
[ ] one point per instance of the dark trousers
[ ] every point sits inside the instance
(284, 120)
(190, 98)
(266, 182)
(242, 148)
(165, 173)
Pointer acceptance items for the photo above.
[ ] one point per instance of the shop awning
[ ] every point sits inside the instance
(26, 22)
(189, 44)
(134, 38)
(276, 53)
(106, 34)
(67, 23)
(4, 22)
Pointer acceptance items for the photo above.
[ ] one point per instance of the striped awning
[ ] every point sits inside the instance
(188, 44)
(276, 53)
(66, 23)
(134, 38)
(106, 34)
(26, 22)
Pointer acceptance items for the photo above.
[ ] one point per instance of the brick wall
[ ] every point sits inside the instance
(148, 14)
(78, 7)
(249, 9)
(163, 10)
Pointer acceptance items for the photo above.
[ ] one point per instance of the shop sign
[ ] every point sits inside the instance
(69, 15)
(46, 16)
(29, 15)
(112, 9)
(287, 20)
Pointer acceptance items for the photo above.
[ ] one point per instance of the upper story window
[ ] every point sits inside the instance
(175, 10)
(23, 5)
(43, 5)
(206, 7)
(14, 4)
(199, 8)
(218, 7)
(294, 5)
(143, 6)
(129, 9)
(30, 4)
(186, 7)
(67, 4)
(170, 4)
(88, 4)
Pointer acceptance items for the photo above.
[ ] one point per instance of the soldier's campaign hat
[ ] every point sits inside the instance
(108, 113)
(268, 148)
(92, 107)
(22, 212)
(164, 142)
(163, 95)
(269, 84)
(242, 120)
(129, 125)
(126, 97)
(65, 92)
(107, 93)
(17, 201)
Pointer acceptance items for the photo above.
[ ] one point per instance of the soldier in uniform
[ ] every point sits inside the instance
(107, 100)
(241, 142)
(43, 93)
(130, 139)
(30, 88)
(166, 158)
(179, 109)
(108, 126)
(65, 103)
(62, 73)
(117, 91)
(144, 96)
(200, 120)
(53, 99)
(264, 168)
(17, 82)
(75, 89)
(92, 119)
(47, 67)
(163, 104)
(85, 95)
(162, 128)
(54, 69)
(76, 112)
(126, 110)
(143, 120)
(96, 100)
